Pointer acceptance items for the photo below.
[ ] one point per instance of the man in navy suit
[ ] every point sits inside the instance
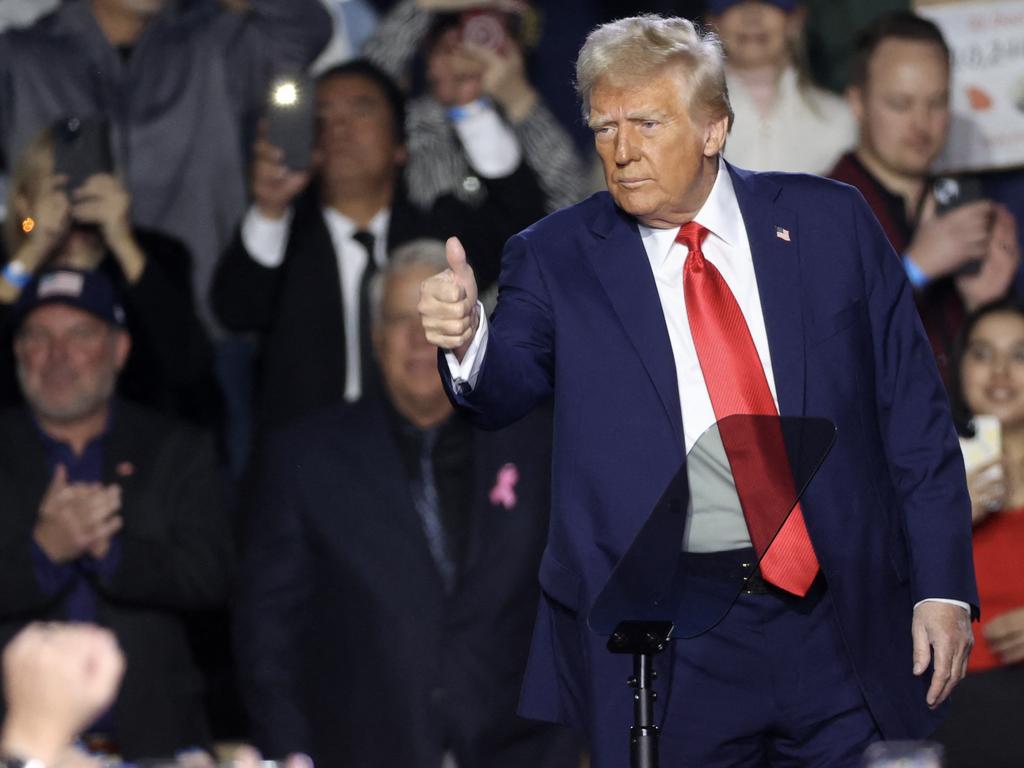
(689, 291)
(389, 581)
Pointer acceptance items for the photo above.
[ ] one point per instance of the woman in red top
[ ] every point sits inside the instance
(987, 715)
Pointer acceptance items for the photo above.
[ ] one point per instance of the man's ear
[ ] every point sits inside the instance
(715, 135)
(122, 348)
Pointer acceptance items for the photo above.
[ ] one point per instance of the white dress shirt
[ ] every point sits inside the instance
(266, 239)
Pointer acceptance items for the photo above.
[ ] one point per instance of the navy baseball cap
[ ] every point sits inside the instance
(91, 292)
(719, 7)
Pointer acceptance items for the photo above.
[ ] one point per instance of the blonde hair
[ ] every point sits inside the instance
(638, 46)
(34, 162)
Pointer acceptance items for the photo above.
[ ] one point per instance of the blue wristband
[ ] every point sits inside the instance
(917, 278)
(16, 274)
(458, 114)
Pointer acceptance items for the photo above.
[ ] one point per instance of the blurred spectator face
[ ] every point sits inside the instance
(903, 108)
(68, 361)
(357, 136)
(992, 372)
(455, 77)
(758, 34)
(408, 362)
(653, 147)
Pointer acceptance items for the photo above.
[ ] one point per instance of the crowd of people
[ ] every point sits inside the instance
(224, 436)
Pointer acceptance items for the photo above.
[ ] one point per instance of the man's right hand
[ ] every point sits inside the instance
(76, 517)
(944, 243)
(274, 185)
(448, 307)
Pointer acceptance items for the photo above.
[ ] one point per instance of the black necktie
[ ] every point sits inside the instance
(428, 505)
(366, 365)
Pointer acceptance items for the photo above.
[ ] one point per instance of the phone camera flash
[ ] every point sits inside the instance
(286, 94)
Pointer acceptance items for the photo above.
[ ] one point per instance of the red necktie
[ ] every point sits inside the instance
(737, 385)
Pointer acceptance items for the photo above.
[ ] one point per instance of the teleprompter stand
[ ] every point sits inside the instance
(644, 640)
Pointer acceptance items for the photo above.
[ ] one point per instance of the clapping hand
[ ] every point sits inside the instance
(76, 518)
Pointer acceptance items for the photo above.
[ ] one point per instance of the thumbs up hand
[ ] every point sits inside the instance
(448, 307)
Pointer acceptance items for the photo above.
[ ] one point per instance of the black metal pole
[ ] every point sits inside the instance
(643, 736)
(644, 640)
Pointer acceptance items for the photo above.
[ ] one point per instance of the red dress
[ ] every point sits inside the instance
(999, 565)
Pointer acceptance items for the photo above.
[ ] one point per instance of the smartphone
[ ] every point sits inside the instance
(985, 446)
(951, 192)
(81, 149)
(485, 28)
(291, 115)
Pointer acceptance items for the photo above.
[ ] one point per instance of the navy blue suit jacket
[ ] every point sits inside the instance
(579, 316)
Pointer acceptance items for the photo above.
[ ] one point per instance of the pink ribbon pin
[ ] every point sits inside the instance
(504, 490)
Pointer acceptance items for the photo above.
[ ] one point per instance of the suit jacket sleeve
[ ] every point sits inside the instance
(244, 293)
(187, 563)
(272, 607)
(913, 415)
(518, 366)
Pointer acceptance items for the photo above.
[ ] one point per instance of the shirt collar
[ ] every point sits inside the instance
(720, 215)
(52, 444)
(344, 226)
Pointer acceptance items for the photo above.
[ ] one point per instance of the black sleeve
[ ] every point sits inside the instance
(172, 350)
(245, 293)
(512, 203)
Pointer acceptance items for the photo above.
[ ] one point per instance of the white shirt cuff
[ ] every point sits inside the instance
(467, 372)
(961, 603)
(490, 144)
(265, 239)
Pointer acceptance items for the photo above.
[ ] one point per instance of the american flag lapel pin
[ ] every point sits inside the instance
(782, 233)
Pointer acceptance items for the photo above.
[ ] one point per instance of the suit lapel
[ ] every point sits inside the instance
(777, 269)
(624, 271)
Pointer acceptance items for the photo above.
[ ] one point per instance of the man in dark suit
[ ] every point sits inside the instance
(110, 511)
(690, 292)
(297, 270)
(388, 588)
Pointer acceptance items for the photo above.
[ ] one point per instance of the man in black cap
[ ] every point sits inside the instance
(111, 511)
